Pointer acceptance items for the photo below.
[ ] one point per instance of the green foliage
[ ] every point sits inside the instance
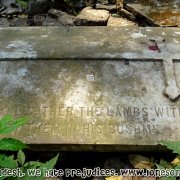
(40, 166)
(21, 157)
(8, 125)
(8, 161)
(23, 3)
(10, 144)
(175, 147)
(12, 163)
(50, 164)
(165, 164)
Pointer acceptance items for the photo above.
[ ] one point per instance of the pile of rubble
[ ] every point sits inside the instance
(51, 13)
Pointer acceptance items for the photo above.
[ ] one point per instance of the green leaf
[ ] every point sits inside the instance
(23, 4)
(177, 167)
(21, 157)
(8, 124)
(159, 166)
(10, 144)
(175, 146)
(165, 178)
(165, 164)
(1, 178)
(33, 164)
(50, 164)
(168, 178)
(8, 162)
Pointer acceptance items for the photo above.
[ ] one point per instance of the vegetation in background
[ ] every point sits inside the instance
(23, 3)
(8, 125)
(175, 164)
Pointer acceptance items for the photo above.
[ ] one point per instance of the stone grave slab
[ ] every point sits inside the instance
(92, 87)
(158, 12)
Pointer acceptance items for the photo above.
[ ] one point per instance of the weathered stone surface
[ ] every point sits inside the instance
(108, 7)
(8, 2)
(90, 16)
(103, 1)
(18, 21)
(116, 22)
(57, 17)
(38, 7)
(4, 22)
(161, 13)
(38, 20)
(9, 8)
(77, 88)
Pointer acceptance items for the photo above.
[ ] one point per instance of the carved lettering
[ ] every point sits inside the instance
(69, 111)
(60, 112)
(47, 129)
(98, 129)
(127, 112)
(118, 112)
(82, 109)
(130, 114)
(136, 112)
(86, 129)
(173, 111)
(90, 111)
(45, 111)
(112, 129)
(110, 112)
(98, 111)
(159, 111)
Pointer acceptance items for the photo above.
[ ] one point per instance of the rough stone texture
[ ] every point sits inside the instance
(90, 16)
(108, 7)
(103, 2)
(38, 7)
(57, 17)
(7, 2)
(9, 11)
(113, 21)
(4, 22)
(93, 86)
(10, 7)
(38, 20)
(18, 21)
(161, 13)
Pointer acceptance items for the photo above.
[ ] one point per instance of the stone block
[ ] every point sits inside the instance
(91, 87)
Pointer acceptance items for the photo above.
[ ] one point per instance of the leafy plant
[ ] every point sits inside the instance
(175, 164)
(26, 169)
(175, 146)
(8, 125)
(23, 3)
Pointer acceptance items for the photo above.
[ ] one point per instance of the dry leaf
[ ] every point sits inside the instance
(176, 161)
(140, 162)
(114, 178)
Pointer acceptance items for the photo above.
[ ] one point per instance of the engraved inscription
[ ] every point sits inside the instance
(89, 129)
(99, 121)
(90, 102)
(46, 111)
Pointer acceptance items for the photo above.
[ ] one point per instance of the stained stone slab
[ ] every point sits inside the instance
(92, 87)
(158, 12)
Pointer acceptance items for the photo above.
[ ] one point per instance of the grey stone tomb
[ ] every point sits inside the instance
(92, 86)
